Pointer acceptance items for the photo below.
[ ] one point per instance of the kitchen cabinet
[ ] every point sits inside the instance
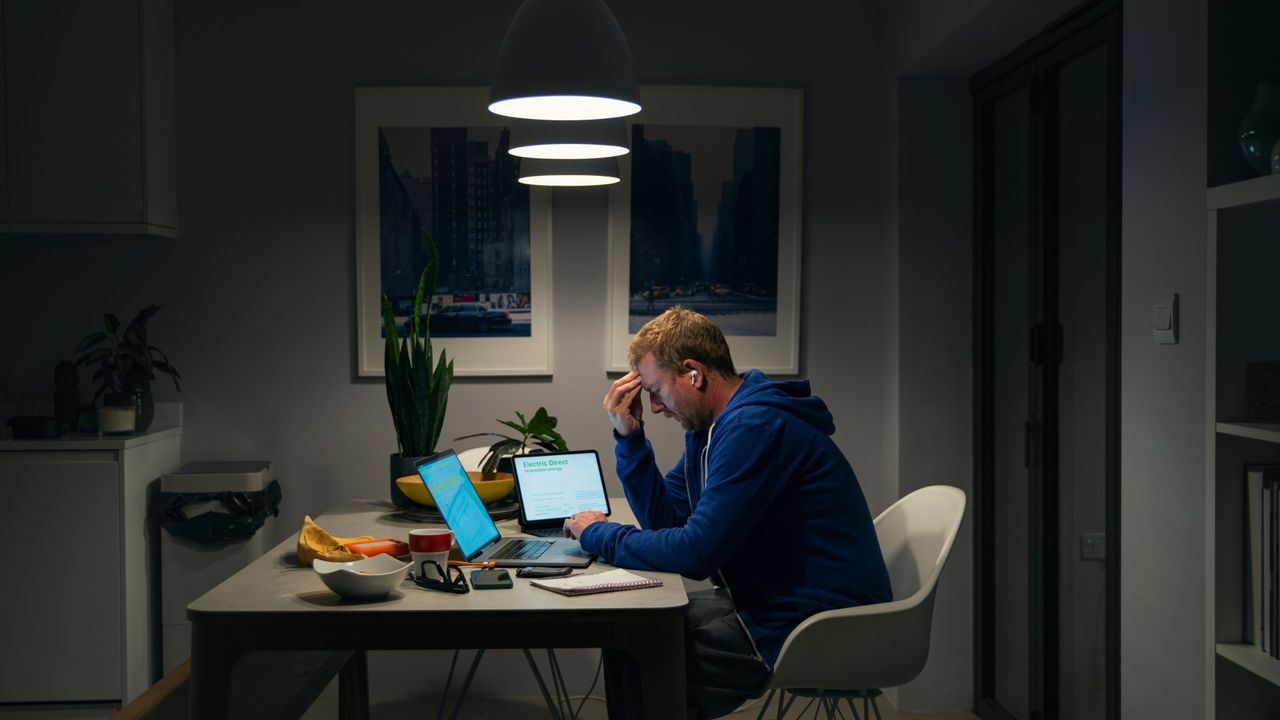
(77, 613)
(88, 127)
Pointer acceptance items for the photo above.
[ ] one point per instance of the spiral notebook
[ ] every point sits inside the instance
(609, 581)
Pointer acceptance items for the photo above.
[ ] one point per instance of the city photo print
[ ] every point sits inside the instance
(707, 217)
(433, 163)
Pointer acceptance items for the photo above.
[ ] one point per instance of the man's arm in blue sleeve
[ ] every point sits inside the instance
(743, 480)
(657, 501)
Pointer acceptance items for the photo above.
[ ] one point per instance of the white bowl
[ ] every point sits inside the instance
(367, 579)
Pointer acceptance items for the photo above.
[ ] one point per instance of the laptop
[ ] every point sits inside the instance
(552, 486)
(478, 538)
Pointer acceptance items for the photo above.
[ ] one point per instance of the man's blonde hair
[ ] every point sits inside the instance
(681, 334)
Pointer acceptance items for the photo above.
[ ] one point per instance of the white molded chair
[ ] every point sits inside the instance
(853, 652)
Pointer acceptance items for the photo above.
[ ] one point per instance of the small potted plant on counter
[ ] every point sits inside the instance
(127, 363)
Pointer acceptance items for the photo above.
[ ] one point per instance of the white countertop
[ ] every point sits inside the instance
(88, 441)
(167, 424)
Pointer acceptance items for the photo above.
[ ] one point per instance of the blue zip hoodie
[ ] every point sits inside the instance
(777, 516)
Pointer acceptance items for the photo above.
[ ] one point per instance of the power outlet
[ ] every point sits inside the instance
(1093, 546)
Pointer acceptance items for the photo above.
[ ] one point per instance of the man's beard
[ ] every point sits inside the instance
(688, 424)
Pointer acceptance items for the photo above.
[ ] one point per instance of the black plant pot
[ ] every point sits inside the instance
(401, 466)
(506, 465)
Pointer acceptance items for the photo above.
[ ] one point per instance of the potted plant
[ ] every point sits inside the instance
(539, 432)
(127, 363)
(417, 394)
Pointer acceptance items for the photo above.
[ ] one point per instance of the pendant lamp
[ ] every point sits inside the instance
(568, 139)
(569, 173)
(564, 60)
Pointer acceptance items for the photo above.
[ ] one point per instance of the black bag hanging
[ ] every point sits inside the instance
(246, 512)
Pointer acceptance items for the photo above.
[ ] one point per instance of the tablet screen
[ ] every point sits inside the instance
(554, 486)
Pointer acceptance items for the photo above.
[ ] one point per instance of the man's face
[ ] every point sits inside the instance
(670, 394)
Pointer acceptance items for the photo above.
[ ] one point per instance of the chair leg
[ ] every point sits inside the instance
(767, 699)
(852, 710)
(784, 707)
(803, 710)
(546, 696)
(466, 684)
(562, 688)
(875, 707)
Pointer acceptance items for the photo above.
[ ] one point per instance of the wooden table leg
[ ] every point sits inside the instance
(658, 649)
(353, 687)
(214, 652)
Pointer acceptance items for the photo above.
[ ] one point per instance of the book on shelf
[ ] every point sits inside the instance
(608, 581)
(1262, 545)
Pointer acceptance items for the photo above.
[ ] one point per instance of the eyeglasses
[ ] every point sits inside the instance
(454, 581)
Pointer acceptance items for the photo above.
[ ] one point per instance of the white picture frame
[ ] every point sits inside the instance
(442, 107)
(718, 107)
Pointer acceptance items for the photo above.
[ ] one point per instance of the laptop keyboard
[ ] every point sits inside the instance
(551, 532)
(522, 550)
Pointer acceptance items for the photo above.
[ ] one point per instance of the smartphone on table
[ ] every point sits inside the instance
(543, 572)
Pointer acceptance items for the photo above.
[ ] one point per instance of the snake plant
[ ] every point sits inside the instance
(417, 394)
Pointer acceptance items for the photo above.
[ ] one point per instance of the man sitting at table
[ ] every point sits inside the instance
(762, 502)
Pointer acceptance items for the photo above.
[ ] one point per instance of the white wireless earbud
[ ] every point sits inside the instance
(693, 378)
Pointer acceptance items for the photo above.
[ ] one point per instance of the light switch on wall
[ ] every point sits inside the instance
(1093, 546)
(1164, 319)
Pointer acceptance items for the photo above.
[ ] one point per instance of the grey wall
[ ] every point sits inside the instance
(258, 290)
(1162, 402)
(935, 339)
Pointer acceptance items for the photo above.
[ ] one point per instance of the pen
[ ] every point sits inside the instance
(464, 563)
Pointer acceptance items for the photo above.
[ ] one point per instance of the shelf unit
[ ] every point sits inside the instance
(1242, 325)
(1252, 659)
(1267, 432)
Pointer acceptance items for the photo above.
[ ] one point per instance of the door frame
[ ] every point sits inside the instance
(1093, 25)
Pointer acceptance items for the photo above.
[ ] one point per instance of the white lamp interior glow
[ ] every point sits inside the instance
(564, 107)
(568, 151)
(568, 180)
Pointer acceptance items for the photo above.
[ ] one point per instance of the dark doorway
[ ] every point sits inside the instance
(1046, 330)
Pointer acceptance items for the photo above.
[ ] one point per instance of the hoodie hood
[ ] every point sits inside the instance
(790, 396)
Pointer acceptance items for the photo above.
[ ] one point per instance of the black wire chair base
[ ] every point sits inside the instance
(827, 702)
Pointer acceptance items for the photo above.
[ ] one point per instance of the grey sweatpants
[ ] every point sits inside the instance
(720, 664)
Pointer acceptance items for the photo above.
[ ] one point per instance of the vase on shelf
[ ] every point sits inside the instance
(118, 414)
(146, 411)
(1260, 128)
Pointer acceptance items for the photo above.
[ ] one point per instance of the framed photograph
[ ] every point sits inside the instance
(433, 162)
(708, 216)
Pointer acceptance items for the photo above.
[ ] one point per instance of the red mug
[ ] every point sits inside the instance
(430, 540)
(430, 544)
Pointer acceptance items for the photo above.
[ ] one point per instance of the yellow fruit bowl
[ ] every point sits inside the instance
(490, 491)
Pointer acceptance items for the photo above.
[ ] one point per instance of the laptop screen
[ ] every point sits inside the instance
(554, 486)
(458, 502)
